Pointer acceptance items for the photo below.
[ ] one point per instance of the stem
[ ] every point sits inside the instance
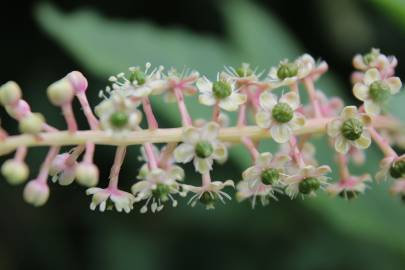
(151, 156)
(91, 119)
(150, 117)
(251, 147)
(166, 155)
(167, 135)
(206, 179)
(115, 170)
(343, 169)
(44, 171)
(21, 153)
(185, 116)
(215, 113)
(309, 85)
(296, 153)
(242, 115)
(382, 143)
(74, 155)
(89, 154)
(69, 117)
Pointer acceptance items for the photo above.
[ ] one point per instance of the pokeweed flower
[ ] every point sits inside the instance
(288, 73)
(210, 193)
(374, 59)
(118, 115)
(374, 91)
(391, 166)
(63, 169)
(36, 193)
(107, 198)
(158, 187)
(87, 174)
(350, 130)
(183, 81)
(202, 145)
(221, 92)
(263, 179)
(281, 117)
(349, 188)
(15, 171)
(307, 180)
(398, 188)
(242, 75)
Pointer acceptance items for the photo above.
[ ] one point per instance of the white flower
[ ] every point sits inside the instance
(350, 130)
(307, 180)
(101, 196)
(391, 166)
(159, 187)
(242, 75)
(184, 81)
(349, 188)
(221, 92)
(63, 170)
(263, 179)
(119, 115)
(374, 59)
(288, 73)
(374, 91)
(281, 117)
(209, 193)
(201, 144)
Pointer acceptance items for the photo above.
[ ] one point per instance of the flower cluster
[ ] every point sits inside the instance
(125, 117)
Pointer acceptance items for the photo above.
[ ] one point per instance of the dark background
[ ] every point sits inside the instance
(65, 234)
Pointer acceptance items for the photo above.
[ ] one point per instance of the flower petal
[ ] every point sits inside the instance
(349, 112)
(184, 153)
(267, 100)
(202, 165)
(191, 135)
(263, 119)
(251, 173)
(358, 62)
(298, 121)
(371, 76)
(371, 107)
(395, 84)
(228, 104)
(280, 133)
(364, 141)
(333, 127)
(292, 99)
(207, 99)
(210, 131)
(220, 152)
(322, 170)
(204, 85)
(341, 145)
(360, 91)
(279, 160)
(264, 160)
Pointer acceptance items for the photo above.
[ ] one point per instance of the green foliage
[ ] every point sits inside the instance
(106, 47)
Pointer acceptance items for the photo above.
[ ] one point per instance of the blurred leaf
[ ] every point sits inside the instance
(394, 9)
(106, 47)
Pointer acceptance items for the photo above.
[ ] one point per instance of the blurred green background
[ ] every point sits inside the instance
(42, 41)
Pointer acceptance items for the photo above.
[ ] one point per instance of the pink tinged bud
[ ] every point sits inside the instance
(78, 81)
(58, 164)
(14, 171)
(10, 93)
(32, 123)
(19, 110)
(60, 92)
(36, 193)
(87, 174)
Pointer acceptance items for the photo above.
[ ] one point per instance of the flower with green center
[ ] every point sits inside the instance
(221, 92)
(391, 166)
(281, 117)
(374, 91)
(157, 187)
(263, 179)
(137, 76)
(118, 115)
(183, 80)
(349, 188)
(307, 180)
(350, 129)
(210, 193)
(202, 146)
(374, 59)
(106, 198)
(244, 70)
(288, 73)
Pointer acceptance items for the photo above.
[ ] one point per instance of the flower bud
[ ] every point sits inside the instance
(36, 193)
(87, 174)
(282, 112)
(78, 81)
(15, 172)
(19, 110)
(10, 93)
(352, 129)
(60, 92)
(32, 123)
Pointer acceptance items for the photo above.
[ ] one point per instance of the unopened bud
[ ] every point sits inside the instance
(87, 174)
(78, 81)
(15, 172)
(32, 123)
(60, 92)
(10, 93)
(36, 193)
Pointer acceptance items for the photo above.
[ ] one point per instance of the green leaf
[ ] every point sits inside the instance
(395, 9)
(107, 47)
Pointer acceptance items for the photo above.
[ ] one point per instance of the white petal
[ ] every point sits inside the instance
(210, 131)
(341, 145)
(349, 112)
(228, 104)
(220, 152)
(292, 99)
(139, 186)
(358, 62)
(321, 170)
(280, 133)
(264, 160)
(202, 165)
(333, 127)
(279, 160)
(273, 74)
(207, 99)
(191, 135)
(184, 153)
(297, 121)
(371, 107)
(204, 85)
(371, 76)
(263, 119)
(364, 141)
(360, 91)
(395, 84)
(251, 173)
(267, 100)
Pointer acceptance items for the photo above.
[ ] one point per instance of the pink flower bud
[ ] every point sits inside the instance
(36, 193)
(20, 110)
(78, 81)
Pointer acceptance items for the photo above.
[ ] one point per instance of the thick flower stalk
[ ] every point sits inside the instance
(274, 100)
